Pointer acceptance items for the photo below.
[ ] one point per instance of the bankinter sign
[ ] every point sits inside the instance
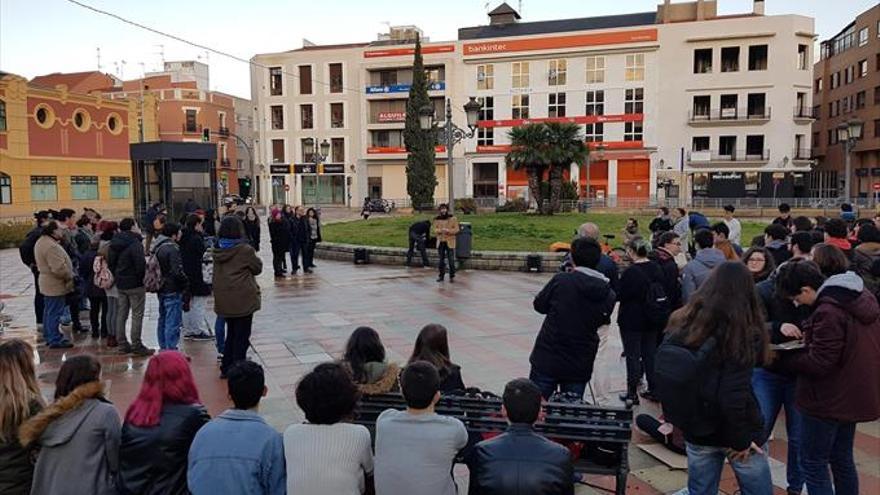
(555, 42)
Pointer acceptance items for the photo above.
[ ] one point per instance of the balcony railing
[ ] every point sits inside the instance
(225, 163)
(223, 131)
(729, 156)
(191, 129)
(802, 154)
(729, 114)
(801, 112)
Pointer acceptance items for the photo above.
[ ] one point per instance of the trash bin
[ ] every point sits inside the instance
(463, 241)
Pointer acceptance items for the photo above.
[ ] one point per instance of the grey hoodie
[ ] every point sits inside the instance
(848, 280)
(698, 269)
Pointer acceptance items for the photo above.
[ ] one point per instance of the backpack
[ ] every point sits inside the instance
(26, 250)
(657, 306)
(678, 374)
(103, 278)
(153, 276)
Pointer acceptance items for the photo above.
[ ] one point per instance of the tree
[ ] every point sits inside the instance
(528, 152)
(565, 145)
(421, 179)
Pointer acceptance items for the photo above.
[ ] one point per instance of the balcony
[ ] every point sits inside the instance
(804, 115)
(802, 154)
(191, 129)
(225, 163)
(223, 132)
(713, 157)
(728, 116)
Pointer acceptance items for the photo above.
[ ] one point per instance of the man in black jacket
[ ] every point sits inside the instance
(192, 252)
(26, 252)
(128, 265)
(576, 303)
(418, 237)
(668, 247)
(299, 231)
(174, 283)
(520, 460)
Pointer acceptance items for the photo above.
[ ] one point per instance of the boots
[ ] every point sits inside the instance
(631, 396)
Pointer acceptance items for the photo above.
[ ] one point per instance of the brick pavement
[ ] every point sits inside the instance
(307, 319)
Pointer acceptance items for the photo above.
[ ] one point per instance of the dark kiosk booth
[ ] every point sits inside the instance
(173, 172)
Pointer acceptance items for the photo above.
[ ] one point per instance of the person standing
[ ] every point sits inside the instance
(26, 253)
(107, 230)
(98, 314)
(174, 283)
(446, 229)
(299, 233)
(192, 254)
(668, 247)
(280, 238)
(252, 227)
(128, 265)
(698, 269)
(681, 225)
(784, 217)
(56, 282)
(236, 291)
(418, 238)
(67, 227)
(313, 222)
(733, 225)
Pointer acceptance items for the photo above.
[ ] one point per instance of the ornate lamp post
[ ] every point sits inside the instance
(848, 133)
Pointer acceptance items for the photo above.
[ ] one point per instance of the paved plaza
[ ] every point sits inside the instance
(306, 320)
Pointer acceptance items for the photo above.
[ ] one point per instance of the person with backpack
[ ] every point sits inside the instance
(703, 372)
(128, 265)
(644, 309)
(26, 253)
(107, 230)
(170, 287)
(96, 295)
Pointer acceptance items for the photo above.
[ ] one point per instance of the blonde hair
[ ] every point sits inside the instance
(19, 390)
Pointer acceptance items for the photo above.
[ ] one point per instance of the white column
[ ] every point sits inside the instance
(502, 182)
(612, 181)
(575, 176)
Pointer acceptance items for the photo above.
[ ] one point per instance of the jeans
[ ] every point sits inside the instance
(98, 316)
(704, 471)
(132, 300)
(639, 349)
(775, 391)
(195, 321)
(417, 241)
(295, 251)
(447, 255)
(170, 315)
(38, 298)
(824, 443)
(548, 385)
(53, 308)
(220, 333)
(237, 341)
(112, 310)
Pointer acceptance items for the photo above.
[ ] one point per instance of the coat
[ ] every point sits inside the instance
(78, 437)
(127, 260)
(55, 267)
(236, 291)
(779, 250)
(450, 223)
(576, 304)
(87, 274)
(381, 378)
(671, 277)
(698, 270)
(866, 263)
(192, 251)
(634, 286)
(167, 252)
(153, 460)
(839, 371)
(252, 229)
(17, 463)
(280, 236)
(520, 462)
(299, 230)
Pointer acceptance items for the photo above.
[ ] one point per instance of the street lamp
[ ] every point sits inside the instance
(451, 134)
(848, 133)
(600, 153)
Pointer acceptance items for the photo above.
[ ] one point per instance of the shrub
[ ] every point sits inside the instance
(517, 205)
(12, 234)
(466, 206)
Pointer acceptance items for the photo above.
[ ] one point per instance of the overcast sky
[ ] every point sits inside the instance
(44, 36)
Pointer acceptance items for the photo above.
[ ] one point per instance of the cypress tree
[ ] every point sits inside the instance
(421, 178)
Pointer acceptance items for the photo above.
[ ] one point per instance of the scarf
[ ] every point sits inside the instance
(841, 243)
(224, 243)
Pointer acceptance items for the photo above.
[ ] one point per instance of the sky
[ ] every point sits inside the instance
(44, 36)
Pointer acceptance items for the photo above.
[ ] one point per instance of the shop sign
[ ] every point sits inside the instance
(279, 169)
(392, 116)
(403, 88)
(875, 172)
(727, 176)
(310, 168)
(862, 172)
(557, 42)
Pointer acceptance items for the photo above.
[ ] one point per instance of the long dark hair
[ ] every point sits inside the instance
(726, 307)
(769, 262)
(76, 371)
(432, 346)
(364, 346)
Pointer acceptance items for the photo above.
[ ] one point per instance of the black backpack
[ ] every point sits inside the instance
(26, 250)
(679, 374)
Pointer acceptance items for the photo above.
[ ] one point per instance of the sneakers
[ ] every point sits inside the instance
(142, 351)
(199, 336)
(124, 348)
(61, 344)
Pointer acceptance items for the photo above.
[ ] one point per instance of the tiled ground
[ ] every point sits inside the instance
(306, 320)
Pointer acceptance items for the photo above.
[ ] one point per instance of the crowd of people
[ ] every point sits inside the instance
(295, 232)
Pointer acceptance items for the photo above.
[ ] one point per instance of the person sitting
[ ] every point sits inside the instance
(432, 346)
(77, 435)
(776, 241)
(520, 460)
(327, 454)
(760, 263)
(238, 452)
(159, 428)
(415, 448)
(20, 399)
(365, 357)
(698, 269)
(418, 237)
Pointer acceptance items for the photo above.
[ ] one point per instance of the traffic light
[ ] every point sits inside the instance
(206, 135)
(247, 183)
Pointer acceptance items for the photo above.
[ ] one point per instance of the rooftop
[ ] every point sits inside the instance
(556, 26)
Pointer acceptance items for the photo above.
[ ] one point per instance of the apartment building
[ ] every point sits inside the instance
(846, 86)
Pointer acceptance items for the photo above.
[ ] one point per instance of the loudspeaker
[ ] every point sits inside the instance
(361, 256)
(533, 263)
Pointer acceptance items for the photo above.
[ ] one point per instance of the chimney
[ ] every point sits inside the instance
(758, 8)
(701, 14)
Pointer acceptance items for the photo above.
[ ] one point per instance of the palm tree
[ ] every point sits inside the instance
(565, 145)
(528, 151)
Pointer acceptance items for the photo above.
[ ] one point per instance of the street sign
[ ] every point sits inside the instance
(279, 169)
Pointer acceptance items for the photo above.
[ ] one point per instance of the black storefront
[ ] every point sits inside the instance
(172, 173)
(729, 184)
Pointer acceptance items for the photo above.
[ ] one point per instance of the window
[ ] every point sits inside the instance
(817, 87)
(727, 145)
(700, 143)
(730, 59)
(849, 74)
(863, 68)
(835, 80)
(191, 125)
(278, 151)
(381, 139)
(84, 187)
(221, 116)
(595, 103)
(863, 36)
(277, 117)
(556, 105)
(831, 135)
(520, 75)
(876, 131)
(337, 150)
(635, 67)
(758, 57)
(815, 142)
(519, 106)
(558, 72)
(876, 95)
(860, 100)
(120, 187)
(44, 116)
(803, 59)
(486, 135)
(275, 86)
(308, 157)
(755, 146)
(387, 77)
(757, 105)
(224, 158)
(845, 105)
(486, 76)
(594, 132)
(702, 61)
(632, 131)
(635, 101)
(728, 106)
(2, 115)
(305, 79)
(702, 106)
(595, 70)
(44, 188)
(5, 189)
(433, 76)
(336, 78)
(306, 117)
(337, 116)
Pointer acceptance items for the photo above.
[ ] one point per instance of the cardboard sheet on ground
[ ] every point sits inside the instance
(664, 455)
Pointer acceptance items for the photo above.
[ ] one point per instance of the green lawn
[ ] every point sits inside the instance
(496, 231)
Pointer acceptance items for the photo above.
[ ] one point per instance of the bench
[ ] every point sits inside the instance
(604, 431)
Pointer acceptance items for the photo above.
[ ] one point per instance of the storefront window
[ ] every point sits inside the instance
(701, 184)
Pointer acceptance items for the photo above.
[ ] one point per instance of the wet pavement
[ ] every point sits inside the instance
(307, 319)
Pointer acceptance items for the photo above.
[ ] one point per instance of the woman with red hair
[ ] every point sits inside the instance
(159, 427)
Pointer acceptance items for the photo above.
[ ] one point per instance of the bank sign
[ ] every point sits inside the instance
(402, 88)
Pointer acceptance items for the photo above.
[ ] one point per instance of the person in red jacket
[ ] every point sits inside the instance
(838, 382)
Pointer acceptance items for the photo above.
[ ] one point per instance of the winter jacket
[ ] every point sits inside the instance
(299, 230)
(660, 224)
(450, 223)
(78, 438)
(606, 267)
(420, 229)
(866, 263)
(26, 250)
(87, 274)
(192, 251)
(153, 460)
(634, 285)
(381, 378)
(252, 229)
(236, 291)
(698, 270)
(450, 379)
(839, 371)
(520, 462)
(127, 260)
(843, 244)
(682, 228)
(576, 304)
(17, 463)
(280, 236)
(697, 221)
(167, 252)
(779, 250)
(55, 267)
(83, 239)
(314, 230)
(671, 277)
(779, 310)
